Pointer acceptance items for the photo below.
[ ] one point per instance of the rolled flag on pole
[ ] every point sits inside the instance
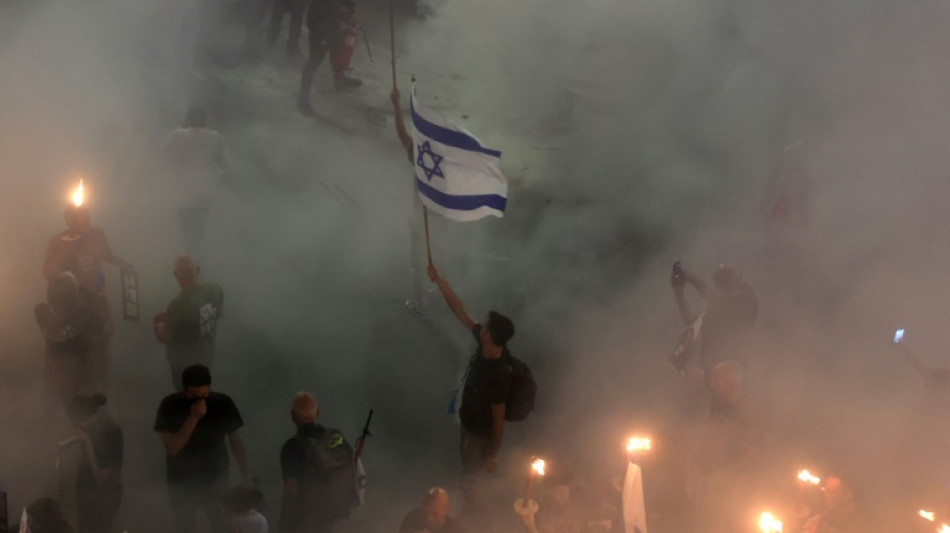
(360, 473)
(456, 175)
(24, 522)
(634, 511)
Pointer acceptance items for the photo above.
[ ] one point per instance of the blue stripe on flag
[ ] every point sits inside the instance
(448, 137)
(462, 203)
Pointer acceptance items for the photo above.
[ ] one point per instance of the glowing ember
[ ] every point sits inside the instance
(538, 466)
(769, 524)
(806, 477)
(927, 515)
(637, 444)
(78, 195)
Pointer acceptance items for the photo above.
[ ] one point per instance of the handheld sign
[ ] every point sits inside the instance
(130, 294)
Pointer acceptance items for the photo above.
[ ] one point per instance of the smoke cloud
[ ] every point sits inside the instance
(635, 134)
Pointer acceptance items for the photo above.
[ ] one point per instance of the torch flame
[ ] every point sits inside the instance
(769, 524)
(639, 444)
(927, 515)
(806, 477)
(538, 466)
(78, 195)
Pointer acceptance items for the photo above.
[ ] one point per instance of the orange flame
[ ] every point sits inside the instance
(769, 524)
(806, 477)
(927, 515)
(637, 444)
(78, 195)
(538, 466)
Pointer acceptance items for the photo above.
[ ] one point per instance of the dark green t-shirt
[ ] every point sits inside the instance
(192, 318)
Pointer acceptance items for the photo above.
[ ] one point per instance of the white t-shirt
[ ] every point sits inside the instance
(198, 159)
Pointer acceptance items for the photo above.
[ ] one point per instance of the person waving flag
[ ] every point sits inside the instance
(456, 175)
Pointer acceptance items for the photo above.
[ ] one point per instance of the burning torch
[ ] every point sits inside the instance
(526, 505)
(78, 195)
(769, 524)
(634, 509)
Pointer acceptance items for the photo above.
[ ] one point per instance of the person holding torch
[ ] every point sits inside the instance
(81, 249)
(561, 508)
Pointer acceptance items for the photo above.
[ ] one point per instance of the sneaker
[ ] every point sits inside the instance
(345, 82)
(303, 105)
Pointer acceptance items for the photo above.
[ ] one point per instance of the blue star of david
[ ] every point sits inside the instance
(434, 170)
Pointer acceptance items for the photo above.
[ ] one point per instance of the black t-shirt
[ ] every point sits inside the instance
(415, 521)
(204, 459)
(324, 16)
(727, 319)
(108, 446)
(488, 383)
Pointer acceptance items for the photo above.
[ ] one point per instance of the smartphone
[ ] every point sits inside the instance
(898, 336)
(678, 269)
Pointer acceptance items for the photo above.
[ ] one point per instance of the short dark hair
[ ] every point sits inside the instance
(196, 376)
(194, 118)
(500, 328)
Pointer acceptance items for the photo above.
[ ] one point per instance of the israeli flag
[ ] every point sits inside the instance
(456, 176)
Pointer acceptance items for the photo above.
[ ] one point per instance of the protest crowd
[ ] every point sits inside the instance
(694, 478)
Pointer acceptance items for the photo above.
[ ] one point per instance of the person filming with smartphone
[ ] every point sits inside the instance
(731, 309)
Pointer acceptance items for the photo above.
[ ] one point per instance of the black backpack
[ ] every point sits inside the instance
(522, 392)
(330, 473)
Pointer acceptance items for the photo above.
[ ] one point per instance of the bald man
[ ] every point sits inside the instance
(317, 466)
(188, 326)
(731, 309)
(433, 516)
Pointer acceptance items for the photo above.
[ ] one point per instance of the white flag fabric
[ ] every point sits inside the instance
(360, 473)
(24, 522)
(456, 176)
(634, 511)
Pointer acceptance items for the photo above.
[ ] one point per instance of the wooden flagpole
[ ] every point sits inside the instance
(392, 45)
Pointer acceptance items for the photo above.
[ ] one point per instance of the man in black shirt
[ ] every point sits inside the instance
(99, 476)
(325, 22)
(193, 425)
(487, 384)
(433, 516)
(318, 471)
(730, 313)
